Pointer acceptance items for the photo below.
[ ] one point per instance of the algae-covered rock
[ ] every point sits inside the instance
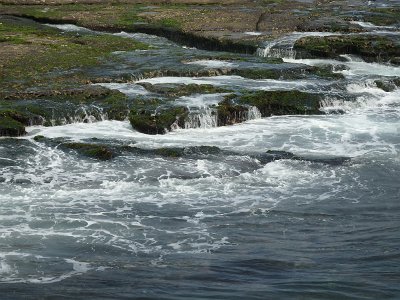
(96, 151)
(229, 113)
(384, 16)
(12, 123)
(325, 72)
(178, 90)
(88, 149)
(395, 61)
(39, 138)
(175, 152)
(273, 155)
(170, 152)
(282, 102)
(258, 73)
(369, 47)
(57, 107)
(385, 85)
(159, 122)
(10, 127)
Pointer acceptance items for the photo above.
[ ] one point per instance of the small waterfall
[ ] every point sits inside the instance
(253, 113)
(280, 48)
(283, 47)
(83, 114)
(333, 105)
(270, 51)
(206, 118)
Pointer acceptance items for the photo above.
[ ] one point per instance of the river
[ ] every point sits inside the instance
(218, 222)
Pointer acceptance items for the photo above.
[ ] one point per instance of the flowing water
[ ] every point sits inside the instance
(213, 224)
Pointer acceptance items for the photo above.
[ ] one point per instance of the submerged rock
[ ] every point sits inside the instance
(273, 155)
(92, 150)
(387, 86)
(175, 152)
(96, 151)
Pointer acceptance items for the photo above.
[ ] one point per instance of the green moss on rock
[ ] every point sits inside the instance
(159, 122)
(39, 138)
(179, 90)
(282, 102)
(12, 123)
(383, 16)
(387, 86)
(10, 126)
(170, 152)
(229, 113)
(326, 72)
(96, 151)
(369, 47)
(258, 73)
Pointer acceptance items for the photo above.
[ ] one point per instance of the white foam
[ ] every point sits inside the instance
(283, 46)
(240, 82)
(129, 89)
(23, 270)
(200, 100)
(147, 203)
(371, 26)
(253, 33)
(354, 67)
(5, 268)
(213, 63)
(70, 28)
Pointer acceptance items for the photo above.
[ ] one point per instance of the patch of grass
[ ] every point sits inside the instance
(384, 16)
(85, 14)
(49, 50)
(168, 22)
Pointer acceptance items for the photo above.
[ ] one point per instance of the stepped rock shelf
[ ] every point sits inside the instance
(52, 88)
(199, 149)
(47, 80)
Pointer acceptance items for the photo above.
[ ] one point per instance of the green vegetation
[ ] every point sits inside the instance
(268, 2)
(97, 15)
(169, 22)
